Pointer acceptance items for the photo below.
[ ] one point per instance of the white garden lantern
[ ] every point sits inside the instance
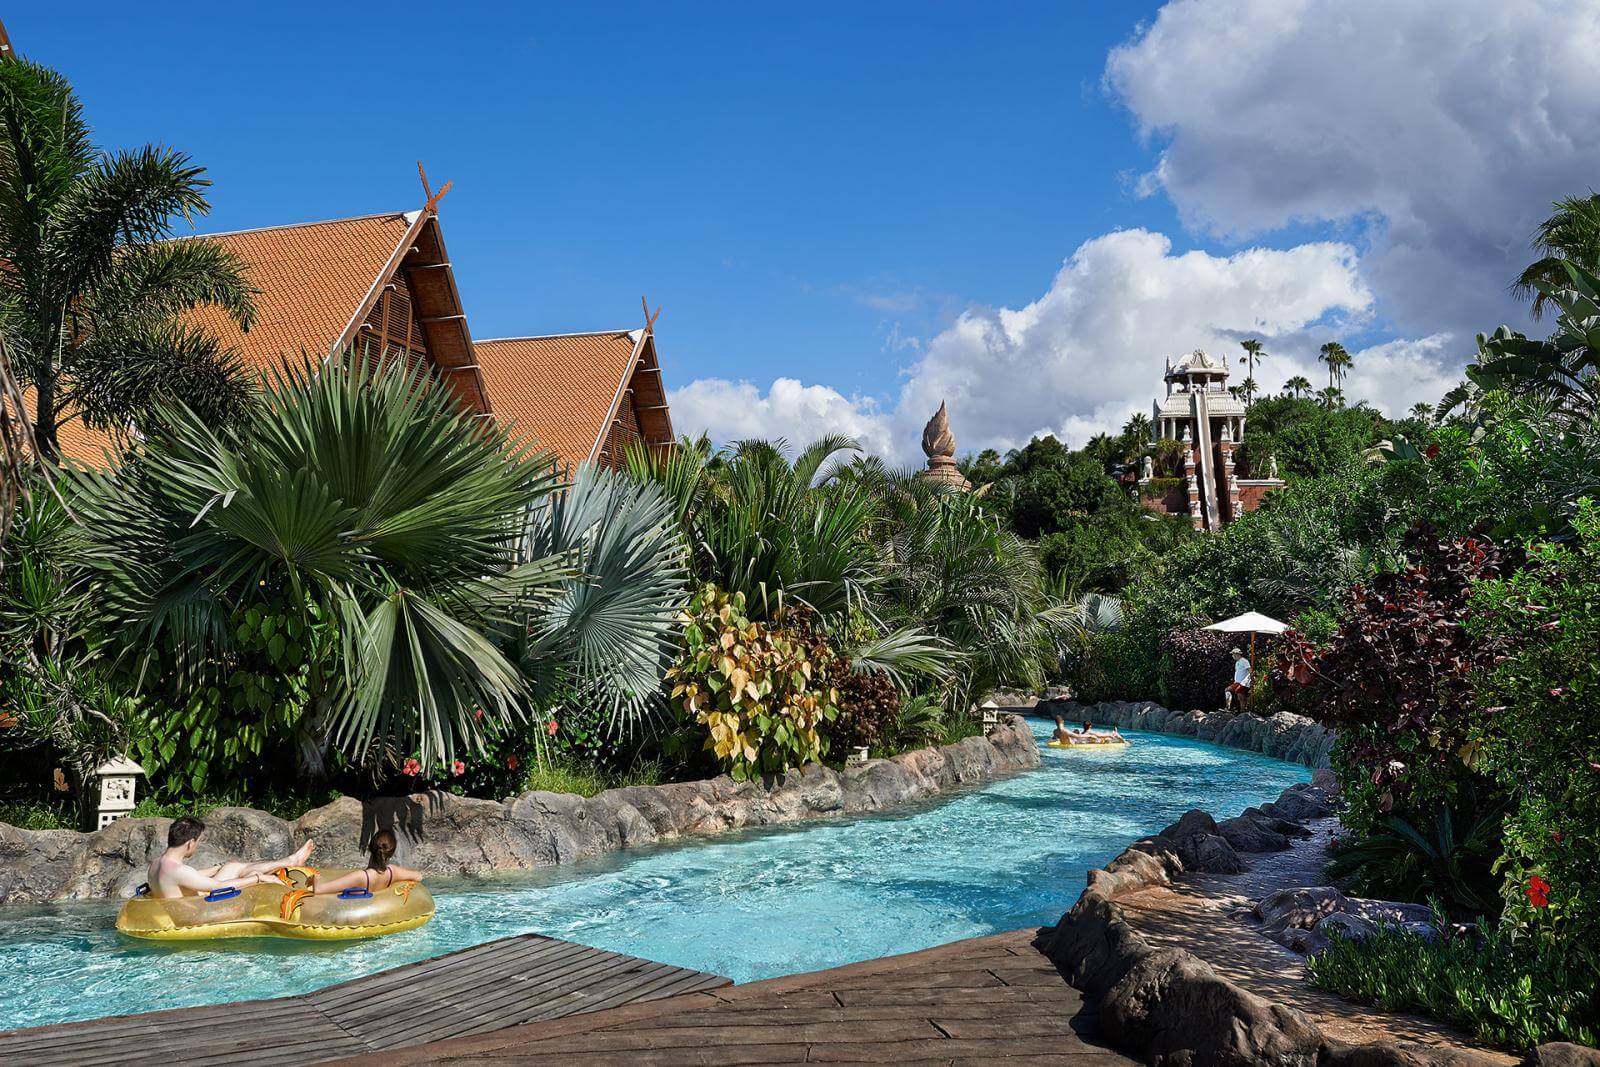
(991, 716)
(117, 783)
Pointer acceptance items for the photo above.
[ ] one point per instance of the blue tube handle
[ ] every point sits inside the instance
(226, 893)
(143, 890)
(354, 894)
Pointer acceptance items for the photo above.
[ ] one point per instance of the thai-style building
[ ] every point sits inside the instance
(1200, 412)
(385, 284)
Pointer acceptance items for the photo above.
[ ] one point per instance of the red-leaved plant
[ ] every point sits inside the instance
(1396, 678)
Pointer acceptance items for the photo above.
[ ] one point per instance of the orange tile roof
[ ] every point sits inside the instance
(312, 279)
(559, 390)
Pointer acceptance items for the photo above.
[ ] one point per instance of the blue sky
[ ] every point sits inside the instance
(818, 197)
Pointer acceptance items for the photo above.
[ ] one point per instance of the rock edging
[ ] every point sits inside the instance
(1171, 1006)
(450, 835)
(1282, 735)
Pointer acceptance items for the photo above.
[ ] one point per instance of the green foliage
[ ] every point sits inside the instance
(1105, 551)
(1047, 485)
(1500, 985)
(1570, 234)
(288, 805)
(92, 293)
(248, 728)
(1308, 439)
(38, 815)
(367, 496)
(869, 711)
(1541, 738)
(586, 780)
(762, 690)
(1447, 858)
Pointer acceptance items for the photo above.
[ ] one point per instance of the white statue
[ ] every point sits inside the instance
(1272, 466)
(1149, 468)
(1227, 429)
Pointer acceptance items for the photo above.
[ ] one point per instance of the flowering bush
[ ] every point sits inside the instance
(1542, 738)
(762, 690)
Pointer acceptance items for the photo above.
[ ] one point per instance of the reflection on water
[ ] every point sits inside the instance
(747, 905)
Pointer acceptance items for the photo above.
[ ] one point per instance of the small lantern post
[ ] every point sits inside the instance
(116, 783)
(991, 716)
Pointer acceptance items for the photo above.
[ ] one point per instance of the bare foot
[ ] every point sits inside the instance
(302, 853)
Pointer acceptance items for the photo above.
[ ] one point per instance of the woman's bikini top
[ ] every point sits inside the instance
(367, 876)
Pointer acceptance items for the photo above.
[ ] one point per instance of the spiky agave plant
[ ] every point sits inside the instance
(358, 486)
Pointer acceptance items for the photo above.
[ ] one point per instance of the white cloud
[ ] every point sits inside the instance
(1089, 352)
(1443, 130)
(797, 413)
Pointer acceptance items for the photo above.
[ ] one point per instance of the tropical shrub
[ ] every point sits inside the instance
(762, 691)
(1447, 856)
(366, 496)
(1499, 985)
(1396, 679)
(1195, 667)
(1541, 737)
(869, 710)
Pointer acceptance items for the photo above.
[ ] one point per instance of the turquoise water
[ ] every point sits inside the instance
(747, 905)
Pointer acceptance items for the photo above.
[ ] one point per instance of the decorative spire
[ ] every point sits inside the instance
(937, 440)
(939, 445)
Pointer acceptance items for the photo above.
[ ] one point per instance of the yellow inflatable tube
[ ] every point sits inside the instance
(1109, 742)
(286, 910)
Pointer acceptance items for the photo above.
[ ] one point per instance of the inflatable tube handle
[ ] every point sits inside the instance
(226, 893)
(354, 894)
(143, 890)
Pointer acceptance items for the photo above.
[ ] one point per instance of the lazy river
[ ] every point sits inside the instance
(747, 905)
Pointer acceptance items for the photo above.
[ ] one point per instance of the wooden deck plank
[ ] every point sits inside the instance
(484, 987)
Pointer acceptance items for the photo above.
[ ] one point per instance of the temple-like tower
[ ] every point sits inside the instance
(1200, 412)
(939, 444)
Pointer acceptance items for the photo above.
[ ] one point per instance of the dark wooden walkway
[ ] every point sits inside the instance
(488, 987)
(971, 1002)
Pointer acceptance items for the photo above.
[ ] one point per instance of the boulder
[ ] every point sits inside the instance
(1562, 1054)
(1247, 833)
(448, 834)
(1301, 908)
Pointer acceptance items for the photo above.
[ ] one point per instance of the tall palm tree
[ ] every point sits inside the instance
(1423, 413)
(1252, 354)
(1297, 385)
(1331, 397)
(1137, 428)
(1571, 233)
(360, 489)
(1338, 360)
(92, 290)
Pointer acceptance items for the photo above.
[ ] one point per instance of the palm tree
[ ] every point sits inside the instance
(361, 491)
(1423, 413)
(608, 635)
(1338, 360)
(1571, 233)
(1297, 385)
(1331, 397)
(1252, 353)
(1137, 428)
(92, 289)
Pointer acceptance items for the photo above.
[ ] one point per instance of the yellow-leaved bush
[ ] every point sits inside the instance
(762, 690)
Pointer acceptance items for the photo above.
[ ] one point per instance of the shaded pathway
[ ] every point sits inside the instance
(1209, 916)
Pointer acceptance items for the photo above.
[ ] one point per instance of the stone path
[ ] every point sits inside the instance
(970, 1002)
(1208, 915)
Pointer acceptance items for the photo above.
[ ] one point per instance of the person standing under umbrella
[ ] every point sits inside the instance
(1240, 686)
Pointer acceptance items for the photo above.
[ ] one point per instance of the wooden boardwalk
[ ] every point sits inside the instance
(971, 1002)
(503, 983)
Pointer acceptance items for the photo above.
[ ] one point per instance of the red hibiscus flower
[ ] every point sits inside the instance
(458, 768)
(1432, 451)
(1557, 691)
(411, 768)
(477, 713)
(551, 727)
(1557, 836)
(1538, 892)
(512, 763)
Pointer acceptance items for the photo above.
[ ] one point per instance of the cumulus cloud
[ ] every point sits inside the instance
(1089, 352)
(1442, 130)
(788, 409)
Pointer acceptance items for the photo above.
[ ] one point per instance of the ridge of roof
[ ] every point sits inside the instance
(408, 216)
(552, 336)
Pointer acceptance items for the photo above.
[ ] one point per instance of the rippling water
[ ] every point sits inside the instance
(746, 905)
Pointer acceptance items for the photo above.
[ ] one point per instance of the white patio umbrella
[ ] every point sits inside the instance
(1252, 623)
